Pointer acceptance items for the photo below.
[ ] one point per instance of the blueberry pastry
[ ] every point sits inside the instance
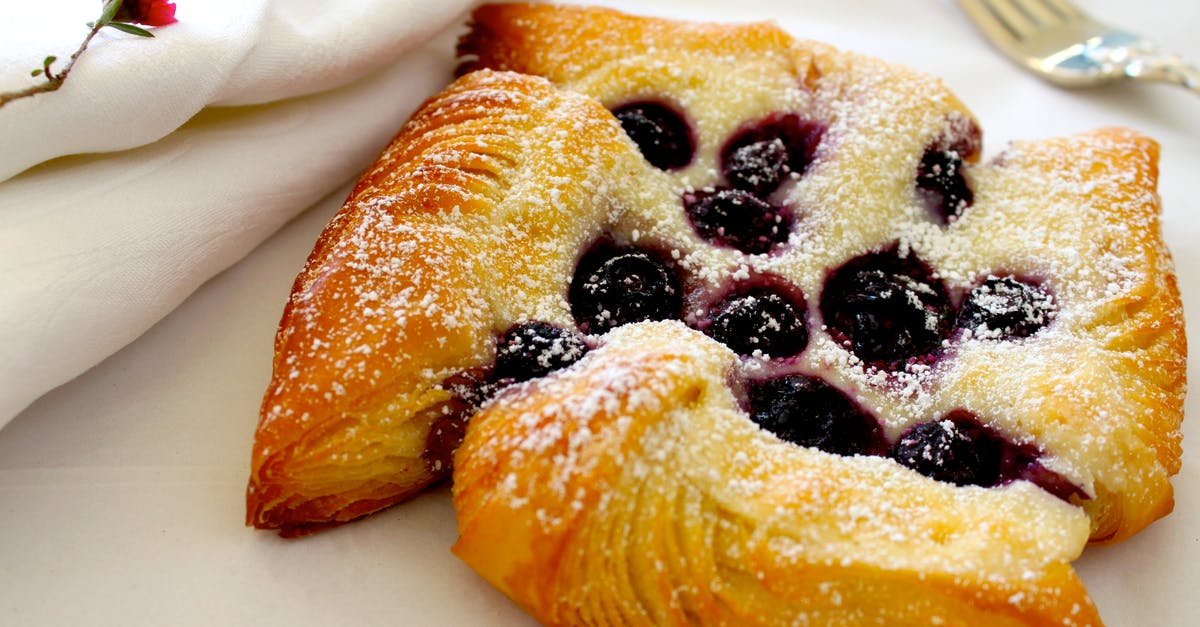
(738, 329)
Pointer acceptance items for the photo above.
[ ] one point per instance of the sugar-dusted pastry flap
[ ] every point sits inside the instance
(891, 183)
(593, 45)
(470, 221)
(633, 489)
(1101, 390)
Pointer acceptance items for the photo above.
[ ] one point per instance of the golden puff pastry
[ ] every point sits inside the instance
(469, 222)
(740, 330)
(992, 340)
(631, 489)
(880, 177)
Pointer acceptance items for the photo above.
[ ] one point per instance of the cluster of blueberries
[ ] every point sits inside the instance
(888, 310)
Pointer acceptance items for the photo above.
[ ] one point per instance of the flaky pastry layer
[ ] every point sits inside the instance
(631, 489)
(401, 294)
(1101, 394)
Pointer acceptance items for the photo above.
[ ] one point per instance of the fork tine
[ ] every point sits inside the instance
(1040, 12)
(1067, 10)
(1065, 46)
(1009, 17)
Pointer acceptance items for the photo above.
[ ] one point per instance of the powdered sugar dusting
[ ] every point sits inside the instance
(503, 184)
(624, 463)
(1074, 214)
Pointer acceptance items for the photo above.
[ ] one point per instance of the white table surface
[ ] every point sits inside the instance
(121, 492)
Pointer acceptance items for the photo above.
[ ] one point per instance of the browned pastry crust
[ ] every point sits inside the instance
(1108, 404)
(580, 45)
(400, 293)
(631, 490)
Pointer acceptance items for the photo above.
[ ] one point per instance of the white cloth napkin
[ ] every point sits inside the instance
(208, 138)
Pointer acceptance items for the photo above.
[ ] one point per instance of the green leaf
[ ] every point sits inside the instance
(36, 73)
(131, 29)
(110, 10)
(50, 59)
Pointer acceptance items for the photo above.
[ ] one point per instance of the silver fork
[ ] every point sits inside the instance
(1065, 46)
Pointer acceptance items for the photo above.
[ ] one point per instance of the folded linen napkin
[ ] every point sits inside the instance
(95, 248)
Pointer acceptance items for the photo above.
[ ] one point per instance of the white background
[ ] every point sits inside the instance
(121, 493)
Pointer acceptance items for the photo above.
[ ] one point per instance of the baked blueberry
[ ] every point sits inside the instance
(534, 349)
(659, 132)
(1034, 472)
(468, 390)
(759, 166)
(941, 183)
(760, 156)
(762, 321)
(959, 449)
(737, 219)
(887, 309)
(615, 286)
(954, 449)
(942, 186)
(808, 411)
(444, 437)
(1006, 308)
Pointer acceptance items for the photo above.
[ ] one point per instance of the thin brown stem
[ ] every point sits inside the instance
(53, 81)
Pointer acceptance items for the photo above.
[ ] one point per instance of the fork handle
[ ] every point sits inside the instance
(1167, 68)
(1189, 76)
(1185, 74)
